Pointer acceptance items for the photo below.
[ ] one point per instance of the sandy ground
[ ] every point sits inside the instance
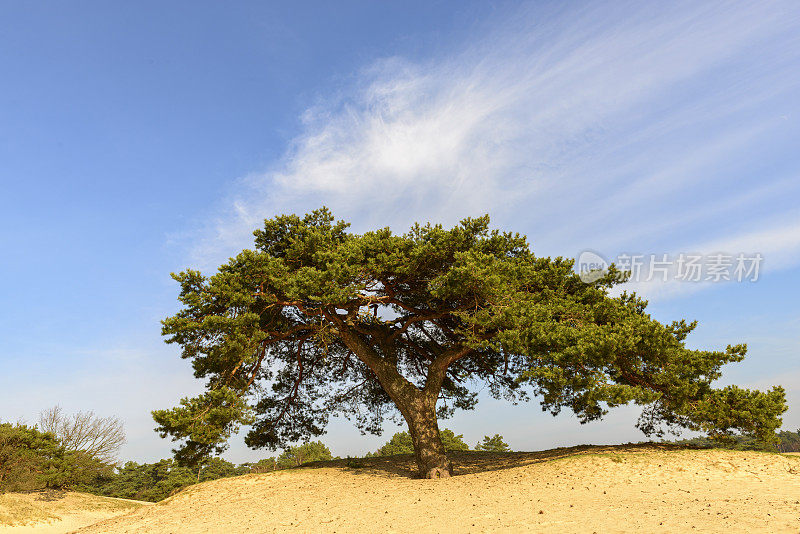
(57, 512)
(619, 489)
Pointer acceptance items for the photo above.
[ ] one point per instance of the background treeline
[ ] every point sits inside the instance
(401, 443)
(789, 442)
(31, 459)
(159, 480)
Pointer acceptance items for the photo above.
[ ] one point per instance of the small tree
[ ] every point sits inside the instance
(314, 451)
(493, 444)
(318, 321)
(401, 443)
(29, 459)
(99, 437)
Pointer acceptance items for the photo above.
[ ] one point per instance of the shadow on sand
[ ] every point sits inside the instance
(468, 462)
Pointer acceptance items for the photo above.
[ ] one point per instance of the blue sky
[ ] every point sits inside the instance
(140, 139)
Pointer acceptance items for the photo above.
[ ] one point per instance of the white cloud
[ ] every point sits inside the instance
(604, 126)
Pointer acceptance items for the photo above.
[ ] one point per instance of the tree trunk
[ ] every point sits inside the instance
(418, 406)
(429, 451)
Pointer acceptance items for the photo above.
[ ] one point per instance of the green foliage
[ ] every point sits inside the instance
(453, 442)
(31, 459)
(789, 441)
(205, 422)
(264, 465)
(157, 481)
(786, 442)
(79, 469)
(493, 444)
(214, 468)
(314, 451)
(317, 321)
(147, 482)
(401, 443)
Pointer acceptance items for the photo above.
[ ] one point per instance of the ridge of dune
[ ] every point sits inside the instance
(596, 489)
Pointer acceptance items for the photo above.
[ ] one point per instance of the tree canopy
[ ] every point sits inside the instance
(314, 451)
(317, 321)
(493, 444)
(789, 441)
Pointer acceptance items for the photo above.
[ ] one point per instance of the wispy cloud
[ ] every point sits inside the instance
(777, 247)
(613, 127)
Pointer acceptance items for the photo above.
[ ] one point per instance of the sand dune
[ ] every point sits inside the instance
(57, 512)
(589, 489)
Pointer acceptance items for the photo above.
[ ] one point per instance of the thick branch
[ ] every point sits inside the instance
(438, 369)
(415, 319)
(398, 388)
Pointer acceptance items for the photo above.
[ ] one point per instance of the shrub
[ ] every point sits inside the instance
(401, 443)
(313, 451)
(29, 459)
(493, 444)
